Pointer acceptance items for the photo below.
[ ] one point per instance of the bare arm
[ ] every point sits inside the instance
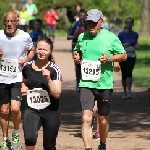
(113, 58)
(35, 12)
(30, 54)
(70, 37)
(24, 87)
(55, 87)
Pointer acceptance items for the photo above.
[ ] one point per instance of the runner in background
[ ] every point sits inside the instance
(129, 40)
(73, 33)
(96, 50)
(14, 9)
(42, 97)
(24, 18)
(14, 44)
(51, 17)
(32, 10)
(36, 33)
(76, 13)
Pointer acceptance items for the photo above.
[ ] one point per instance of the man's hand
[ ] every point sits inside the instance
(103, 59)
(116, 67)
(24, 90)
(76, 57)
(22, 62)
(46, 74)
(1, 53)
(126, 44)
(136, 46)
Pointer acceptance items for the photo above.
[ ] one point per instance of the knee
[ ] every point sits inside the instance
(87, 118)
(103, 120)
(30, 141)
(4, 111)
(50, 144)
(15, 109)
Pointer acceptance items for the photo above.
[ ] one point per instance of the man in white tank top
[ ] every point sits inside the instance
(14, 46)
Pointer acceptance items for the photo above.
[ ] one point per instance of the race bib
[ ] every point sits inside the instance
(38, 98)
(91, 70)
(130, 50)
(8, 67)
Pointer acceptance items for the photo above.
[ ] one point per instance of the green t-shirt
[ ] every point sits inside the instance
(30, 9)
(91, 48)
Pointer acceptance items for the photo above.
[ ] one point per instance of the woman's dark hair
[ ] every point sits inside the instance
(48, 41)
(130, 19)
(39, 21)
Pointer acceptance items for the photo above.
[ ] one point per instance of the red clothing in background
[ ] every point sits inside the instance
(50, 18)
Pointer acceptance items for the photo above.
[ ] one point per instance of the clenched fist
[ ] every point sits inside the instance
(46, 73)
(22, 62)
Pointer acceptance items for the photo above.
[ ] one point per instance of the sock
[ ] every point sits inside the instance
(15, 132)
(102, 144)
(5, 138)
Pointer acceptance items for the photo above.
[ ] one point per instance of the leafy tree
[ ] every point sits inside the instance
(5, 7)
(145, 29)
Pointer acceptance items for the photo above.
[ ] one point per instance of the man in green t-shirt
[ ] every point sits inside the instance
(96, 50)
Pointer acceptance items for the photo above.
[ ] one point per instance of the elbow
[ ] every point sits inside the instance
(125, 57)
(56, 95)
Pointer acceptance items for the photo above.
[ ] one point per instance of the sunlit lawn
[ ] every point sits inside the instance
(141, 73)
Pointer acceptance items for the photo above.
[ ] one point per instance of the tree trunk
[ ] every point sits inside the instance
(145, 20)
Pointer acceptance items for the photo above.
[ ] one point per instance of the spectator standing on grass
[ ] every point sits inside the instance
(73, 33)
(32, 10)
(129, 40)
(51, 17)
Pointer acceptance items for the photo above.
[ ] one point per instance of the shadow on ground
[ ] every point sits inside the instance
(126, 115)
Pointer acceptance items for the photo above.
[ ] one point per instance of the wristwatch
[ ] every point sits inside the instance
(108, 58)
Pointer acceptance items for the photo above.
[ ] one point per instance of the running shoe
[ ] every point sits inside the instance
(129, 95)
(15, 142)
(101, 147)
(96, 136)
(124, 96)
(5, 145)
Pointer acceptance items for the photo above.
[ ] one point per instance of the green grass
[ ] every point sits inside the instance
(141, 72)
